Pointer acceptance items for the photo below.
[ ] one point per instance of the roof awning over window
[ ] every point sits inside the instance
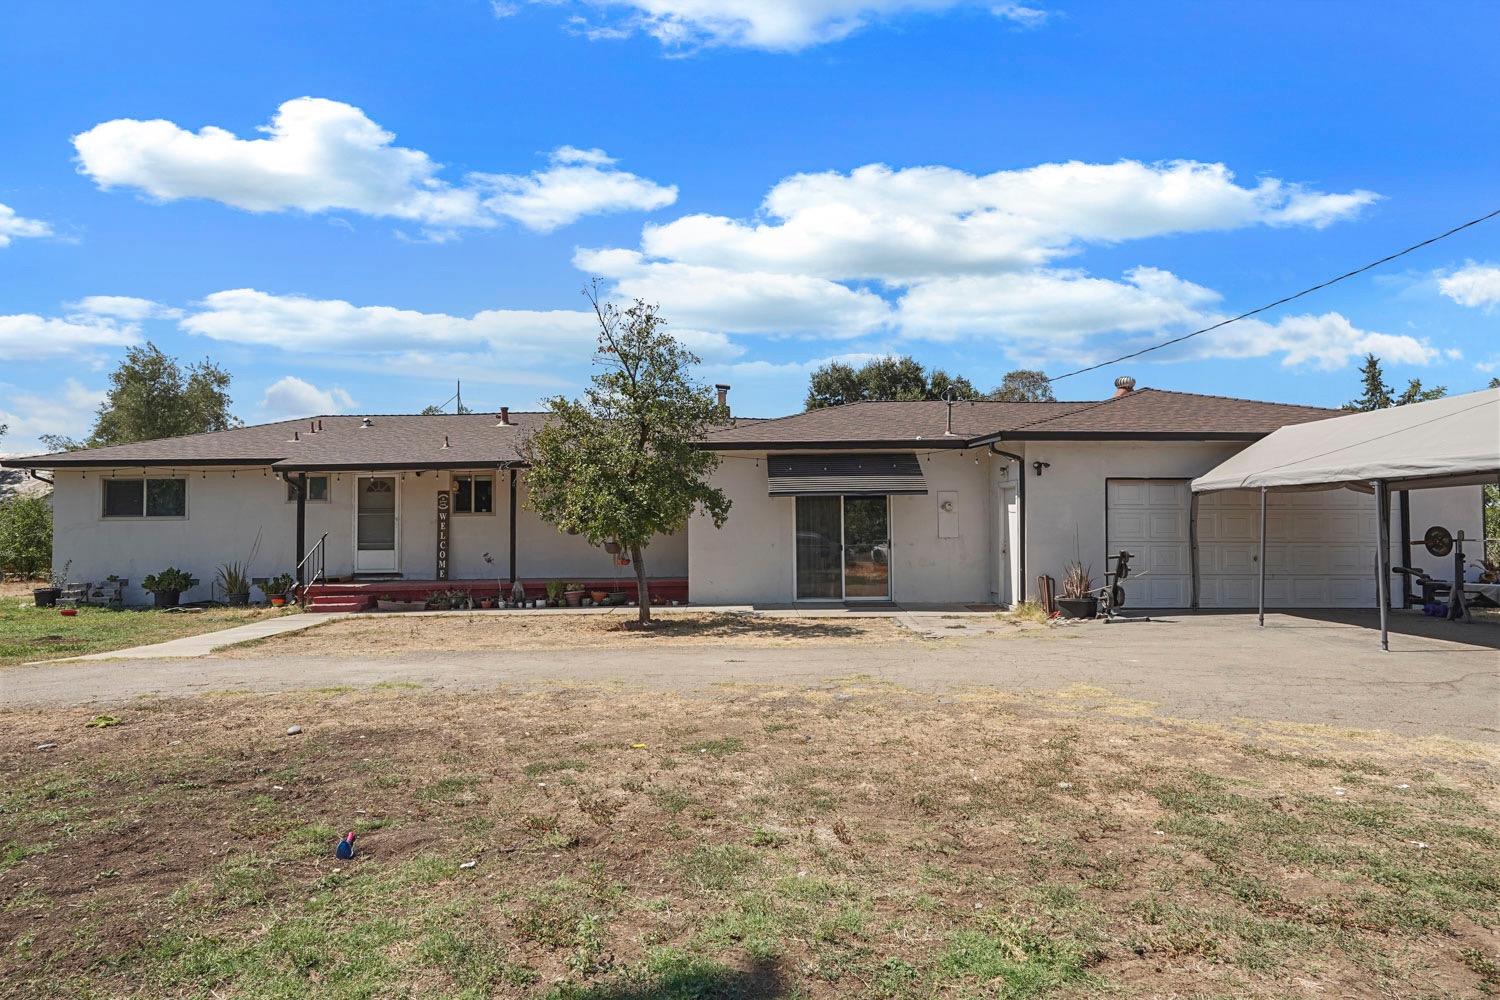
(859, 474)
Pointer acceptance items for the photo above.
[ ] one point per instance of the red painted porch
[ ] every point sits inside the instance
(360, 595)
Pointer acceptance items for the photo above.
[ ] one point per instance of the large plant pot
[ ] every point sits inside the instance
(574, 598)
(166, 598)
(1078, 607)
(46, 597)
(237, 600)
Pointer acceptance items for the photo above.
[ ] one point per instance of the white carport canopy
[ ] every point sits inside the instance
(1444, 442)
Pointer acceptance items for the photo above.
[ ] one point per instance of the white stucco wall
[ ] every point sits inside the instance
(1066, 503)
(750, 559)
(225, 511)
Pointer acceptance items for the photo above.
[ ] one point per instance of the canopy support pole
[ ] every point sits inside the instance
(1261, 590)
(1383, 556)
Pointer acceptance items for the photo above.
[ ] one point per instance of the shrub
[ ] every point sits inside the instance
(26, 535)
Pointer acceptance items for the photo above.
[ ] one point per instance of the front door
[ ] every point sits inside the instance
(376, 517)
(843, 549)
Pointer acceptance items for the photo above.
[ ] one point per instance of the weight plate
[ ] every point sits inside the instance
(1438, 541)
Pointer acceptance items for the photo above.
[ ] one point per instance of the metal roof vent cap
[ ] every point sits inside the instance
(1124, 386)
(366, 422)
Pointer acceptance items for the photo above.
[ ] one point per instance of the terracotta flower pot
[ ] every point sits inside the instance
(573, 597)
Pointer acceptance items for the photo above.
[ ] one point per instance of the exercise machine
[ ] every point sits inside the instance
(1440, 542)
(1112, 594)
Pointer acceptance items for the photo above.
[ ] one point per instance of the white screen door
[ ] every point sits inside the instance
(375, 519)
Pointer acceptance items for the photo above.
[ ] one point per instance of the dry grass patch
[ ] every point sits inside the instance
(399, 634)
(859, 841)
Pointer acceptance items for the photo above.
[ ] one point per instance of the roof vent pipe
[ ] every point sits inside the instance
(1124, 386)
(366, 422)
(445, 441)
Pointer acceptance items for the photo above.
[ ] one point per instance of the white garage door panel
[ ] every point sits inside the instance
(1149, 519)
(1319, 549)
(1319, 552)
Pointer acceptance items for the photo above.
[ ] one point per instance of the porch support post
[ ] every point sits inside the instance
(301, 488)
(1406, 547)
(1261, 590)
(1193, 543)
(512, 527)
(1383, 557)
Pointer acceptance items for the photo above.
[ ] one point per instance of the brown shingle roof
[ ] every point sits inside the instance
(478, 440)
(886, 424)
(390, 441)
(1143, 414)
(1162, 413)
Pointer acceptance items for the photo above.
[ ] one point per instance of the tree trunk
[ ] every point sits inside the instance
(642, 591)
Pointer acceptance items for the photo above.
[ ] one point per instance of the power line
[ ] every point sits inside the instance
(1281, 301)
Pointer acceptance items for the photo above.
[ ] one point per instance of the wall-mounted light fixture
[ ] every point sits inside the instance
(1039, 466)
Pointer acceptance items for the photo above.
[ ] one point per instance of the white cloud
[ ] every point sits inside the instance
(289, 396)
(1021, 15)
(68, 411)
(579, 182)
(1474, 285)
(16, 227)
(1328, 342)
(740, 301)
(306, 325)
(29, 337)
(320, 155)
(777, 25)
(897, 226)
(1061, 308)
(126, 307)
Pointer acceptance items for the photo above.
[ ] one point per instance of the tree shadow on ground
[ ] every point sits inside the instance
(747, 626)
(696, 979)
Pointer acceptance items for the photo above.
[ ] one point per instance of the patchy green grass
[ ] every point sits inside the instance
(870, 843)
(30, 633)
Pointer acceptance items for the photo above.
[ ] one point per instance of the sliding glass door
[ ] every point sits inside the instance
(843, 549)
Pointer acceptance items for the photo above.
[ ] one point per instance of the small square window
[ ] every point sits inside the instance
(317, 489)
(166, 498)
(473, 494)
(124, 497)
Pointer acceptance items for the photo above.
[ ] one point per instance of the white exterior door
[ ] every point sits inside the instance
(377, 519)
(1320, 549)
(1149, 519)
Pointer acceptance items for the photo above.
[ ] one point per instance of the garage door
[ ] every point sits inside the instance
(1149, 519)
(1320, 549)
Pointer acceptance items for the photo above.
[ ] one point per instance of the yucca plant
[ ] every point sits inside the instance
(1078, 581)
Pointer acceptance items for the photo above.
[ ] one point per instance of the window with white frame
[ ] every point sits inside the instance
(145, 497)
(473, 494)
(317, 489)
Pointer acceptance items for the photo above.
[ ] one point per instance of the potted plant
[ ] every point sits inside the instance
(46, 597)
(232, 579)
(555, 591)
(598, 596)
(279, 589)
(167, 586)
(573, 594)
(1077, 598)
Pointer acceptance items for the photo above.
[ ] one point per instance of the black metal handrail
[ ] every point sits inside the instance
(317, 561)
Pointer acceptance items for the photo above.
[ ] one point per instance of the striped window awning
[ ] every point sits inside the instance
(868, 474)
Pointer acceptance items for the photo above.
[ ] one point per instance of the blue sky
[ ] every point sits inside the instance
(981, 185)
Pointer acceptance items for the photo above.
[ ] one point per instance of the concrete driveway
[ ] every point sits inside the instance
(1439, 678)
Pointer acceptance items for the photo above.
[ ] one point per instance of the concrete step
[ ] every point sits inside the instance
(321, 605)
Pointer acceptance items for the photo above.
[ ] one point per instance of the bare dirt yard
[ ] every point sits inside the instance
(413, 633)
(849, 839)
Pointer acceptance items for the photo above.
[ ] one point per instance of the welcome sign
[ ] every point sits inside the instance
(444, 509)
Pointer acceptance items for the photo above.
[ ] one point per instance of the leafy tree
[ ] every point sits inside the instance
(152, 396)
(1024, 385)
(25, 535)
(428, 411)
(904, 378)
(620, 464)
(1378, 394)
(60, 442)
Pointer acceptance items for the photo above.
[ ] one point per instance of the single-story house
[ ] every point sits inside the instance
(913, 502)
